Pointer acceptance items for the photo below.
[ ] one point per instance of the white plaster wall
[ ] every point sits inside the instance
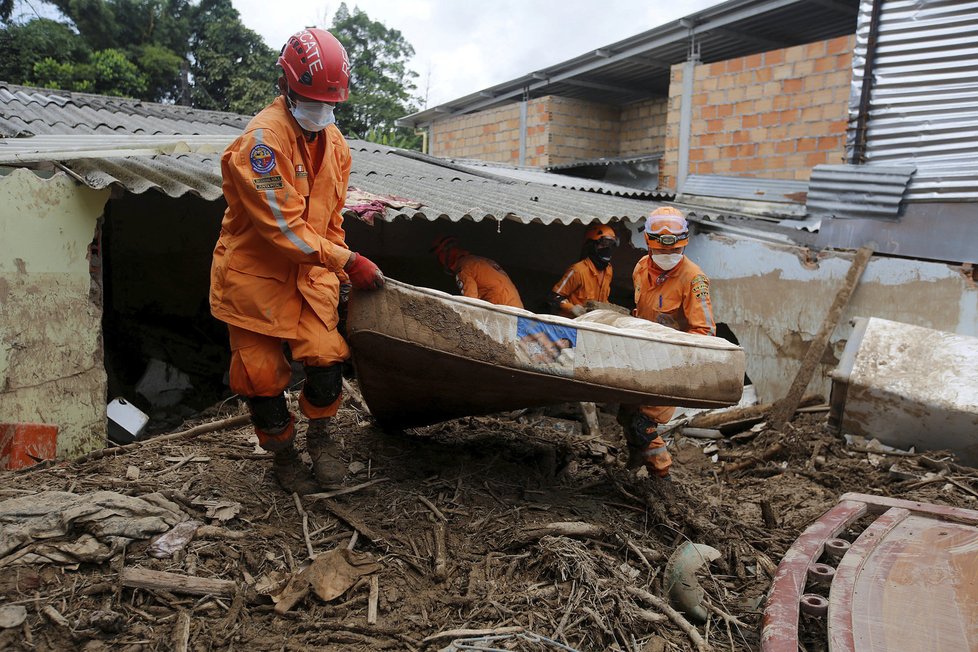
(775, 297)
(51, 367)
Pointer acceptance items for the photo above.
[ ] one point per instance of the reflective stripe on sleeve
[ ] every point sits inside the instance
(563, 282)
(283, 226)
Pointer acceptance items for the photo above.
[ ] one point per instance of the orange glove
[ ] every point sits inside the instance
(364, 275)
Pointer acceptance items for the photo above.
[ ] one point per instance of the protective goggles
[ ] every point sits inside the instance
(667, 239)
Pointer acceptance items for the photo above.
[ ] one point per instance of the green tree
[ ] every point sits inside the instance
(24, 45)
(381, 84)
(108, 72)
(232, 68)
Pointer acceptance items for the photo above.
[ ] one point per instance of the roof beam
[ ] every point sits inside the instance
(846, 10)
(601, 87)
(767, 44)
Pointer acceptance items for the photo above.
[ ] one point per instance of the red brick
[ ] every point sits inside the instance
(749, 121)
(753, 61)
(839, 45)
(816, 158)
(791, 86)
(735, 65)
(774, 57)
(807, 144)
(785, 147)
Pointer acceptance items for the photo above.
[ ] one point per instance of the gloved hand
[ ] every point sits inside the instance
(577, 310)
(364, 275)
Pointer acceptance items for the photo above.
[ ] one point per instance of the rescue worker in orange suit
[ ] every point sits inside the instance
(477, 277)
(671, 290)
(589, 279)
(281, 258)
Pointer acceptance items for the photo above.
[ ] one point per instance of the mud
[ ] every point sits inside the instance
(493, 486)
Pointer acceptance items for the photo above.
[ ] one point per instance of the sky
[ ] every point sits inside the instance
(464, 46)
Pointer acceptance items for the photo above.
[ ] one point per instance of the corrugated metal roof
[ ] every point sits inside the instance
(26, 111)
(638, 67)
(924, 101)
(769, 198)
(445, 190)
(535, 175)
(852, 191)
(606, 161)
(459, 195)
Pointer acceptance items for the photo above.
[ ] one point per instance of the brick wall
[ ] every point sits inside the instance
(775, 115)
(643, 127)
(493, 135)
(582, 130)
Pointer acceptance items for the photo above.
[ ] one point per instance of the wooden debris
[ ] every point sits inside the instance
(354, 397)
(468, 633)
(305, 524)
(742, 417)
(343, 491)
(702, 433)
(677, 618)
(751, 460)
(142, 578)
(591, 425)
(564, 529)
(372, 600)
(440, 553)
(181, 632)
(785, 408)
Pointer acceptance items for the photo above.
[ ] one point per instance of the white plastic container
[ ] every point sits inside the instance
(126, 421)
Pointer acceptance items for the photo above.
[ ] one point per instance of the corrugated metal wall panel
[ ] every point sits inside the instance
(924, 102)
(853, 191)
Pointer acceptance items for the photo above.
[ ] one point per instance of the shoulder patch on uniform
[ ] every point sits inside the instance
(700, 286)
(268, 183)
(262, 159)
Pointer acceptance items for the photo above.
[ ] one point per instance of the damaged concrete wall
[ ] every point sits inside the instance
(775, 297)
(51, 367)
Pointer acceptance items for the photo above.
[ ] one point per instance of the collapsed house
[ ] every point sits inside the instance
(111, 207)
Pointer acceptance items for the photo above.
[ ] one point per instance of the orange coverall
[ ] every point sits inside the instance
(583, 282)
(484, 279)
(279, 259)
(680, 299)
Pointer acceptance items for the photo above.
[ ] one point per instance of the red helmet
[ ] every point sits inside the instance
(316, 66)
(666, 228)
(442, 247)
(600, 232)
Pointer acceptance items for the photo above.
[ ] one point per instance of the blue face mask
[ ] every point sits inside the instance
(312, 116)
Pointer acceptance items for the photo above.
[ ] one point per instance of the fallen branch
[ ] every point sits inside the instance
(345, 490)
(677, 618)
(372, 600)
(468, 633)
(766, 454)
(440, 553)
(142, 578)
(563, 529)
(230, 422)
(354, 397)
(181, 632)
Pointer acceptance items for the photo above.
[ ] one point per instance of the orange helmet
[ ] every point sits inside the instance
(666, 228)
(316, 66)
(442, 247)
(600, 232)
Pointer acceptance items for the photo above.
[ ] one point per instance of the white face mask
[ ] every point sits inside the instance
(312, 116)
(666, 261)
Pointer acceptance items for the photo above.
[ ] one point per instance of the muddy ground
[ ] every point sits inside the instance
(495, 489)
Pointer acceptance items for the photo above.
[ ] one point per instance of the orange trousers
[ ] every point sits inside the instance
(259, 366)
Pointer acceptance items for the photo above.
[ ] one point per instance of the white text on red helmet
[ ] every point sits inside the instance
(311, 53)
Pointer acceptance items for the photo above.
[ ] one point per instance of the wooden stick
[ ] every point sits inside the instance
(743, 416)
(345, 490)
(372, 601)
(564, 529)
(673, 615)
(434, 510)
(785, 408)
(230, 422)
(305, 524)
(143, 578)
(354, 522)
(181, 632)
(766, 454)
(440, 563)
(465, 633)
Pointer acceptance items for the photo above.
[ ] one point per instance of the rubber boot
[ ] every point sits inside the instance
(326, 464)
(291, 473)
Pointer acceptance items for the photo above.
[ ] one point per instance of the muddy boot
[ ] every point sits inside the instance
(290, 472)
(326, 463)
